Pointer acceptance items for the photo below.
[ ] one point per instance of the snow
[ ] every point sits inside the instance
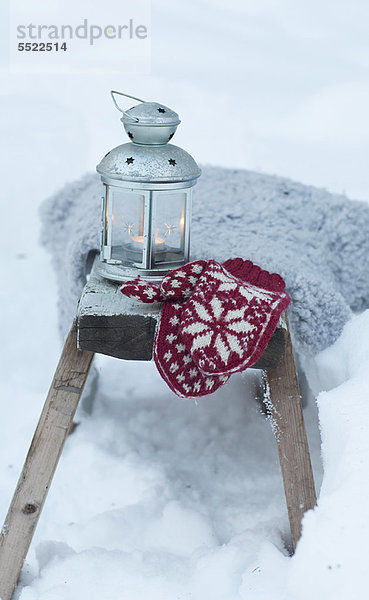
(154, 496)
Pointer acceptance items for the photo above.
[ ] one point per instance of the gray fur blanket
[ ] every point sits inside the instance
(319, 242)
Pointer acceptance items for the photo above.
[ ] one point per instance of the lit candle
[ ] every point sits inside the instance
(137, 240)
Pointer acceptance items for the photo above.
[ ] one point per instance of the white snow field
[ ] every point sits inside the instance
(156, 497)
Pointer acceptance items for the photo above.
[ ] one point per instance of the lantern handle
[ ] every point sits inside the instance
(112, 92)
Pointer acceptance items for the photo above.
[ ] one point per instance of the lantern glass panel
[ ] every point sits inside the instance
(170, 228)
(127, 226)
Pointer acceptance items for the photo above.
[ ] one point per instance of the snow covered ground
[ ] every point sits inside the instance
(157, 497)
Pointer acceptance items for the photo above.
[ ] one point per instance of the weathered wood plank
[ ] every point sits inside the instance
(284, 406)
(109, 323)
(130, 337)
(43, 456)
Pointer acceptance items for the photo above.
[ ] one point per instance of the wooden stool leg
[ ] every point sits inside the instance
(284, 406)
(43, 456)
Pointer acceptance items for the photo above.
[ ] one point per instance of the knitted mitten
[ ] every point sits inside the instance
(178, 364)
(228, 320)
(172, 360)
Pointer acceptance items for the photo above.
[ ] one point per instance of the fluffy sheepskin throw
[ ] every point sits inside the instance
(317, 241)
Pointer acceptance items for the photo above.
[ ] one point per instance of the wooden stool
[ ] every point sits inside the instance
(108, 323)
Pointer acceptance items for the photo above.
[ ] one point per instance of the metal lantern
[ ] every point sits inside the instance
(147, 198)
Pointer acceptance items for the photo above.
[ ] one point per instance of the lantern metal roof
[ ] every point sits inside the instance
(134, 162)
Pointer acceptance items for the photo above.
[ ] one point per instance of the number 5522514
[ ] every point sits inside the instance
(41, 46)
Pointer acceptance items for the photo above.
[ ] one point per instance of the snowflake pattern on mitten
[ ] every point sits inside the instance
(227, 322)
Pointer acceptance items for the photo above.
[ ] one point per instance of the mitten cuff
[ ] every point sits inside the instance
(251, 273)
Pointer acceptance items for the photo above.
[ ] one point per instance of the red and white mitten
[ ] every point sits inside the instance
(227, 322)
(180, 363)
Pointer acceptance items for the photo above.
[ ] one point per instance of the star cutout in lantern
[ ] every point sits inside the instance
(161, 110)
(172, 162)
(129, 228)
(130, 135)
(170, 229)
(130, 160)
